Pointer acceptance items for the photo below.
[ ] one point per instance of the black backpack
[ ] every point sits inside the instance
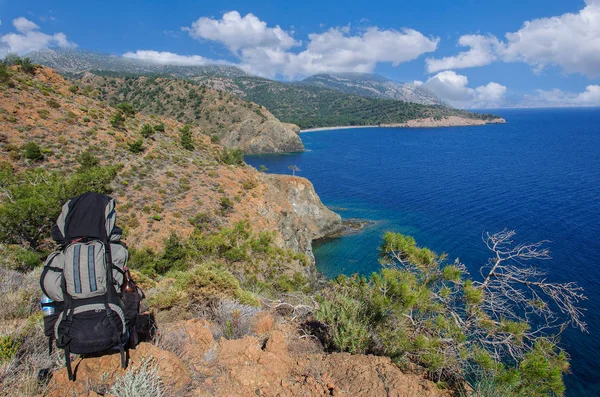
(83, 279)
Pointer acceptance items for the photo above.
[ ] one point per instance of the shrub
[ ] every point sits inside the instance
(147, 131)
(32, 151)
(117, 120)
(136, 146)
(74, 88)
(186, 137)
(159, 127)
(27, 66)
(38, 199)
(87, 159)
(232, 157)
(127, 109)
(53, 104)
(249, 184)
(139, 381)
(349, 329)
(43, 113)
(8, 348)
(4, 74)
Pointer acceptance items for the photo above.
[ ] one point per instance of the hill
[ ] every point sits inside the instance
(227, 119)
(374, 85)
(304, 104)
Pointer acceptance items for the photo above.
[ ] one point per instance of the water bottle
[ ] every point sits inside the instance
(48, 310)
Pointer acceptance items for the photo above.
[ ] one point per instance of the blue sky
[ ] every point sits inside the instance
(528, 53)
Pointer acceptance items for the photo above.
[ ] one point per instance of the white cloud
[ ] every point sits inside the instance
(559, 98)
(237, 32)
(482, 51)
(29, 38)
(569, 41)
(168, 58)
(453, 88)
(24, 25)
(268, 51)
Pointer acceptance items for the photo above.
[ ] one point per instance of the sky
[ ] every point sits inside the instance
(472, 53)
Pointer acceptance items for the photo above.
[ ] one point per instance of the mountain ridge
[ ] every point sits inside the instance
(374, 85)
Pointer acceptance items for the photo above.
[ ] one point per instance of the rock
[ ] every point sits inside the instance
(298, 211)
(367, 375)
(270, 136)
(197, 335)
(277, 344)
(104, 370)
(262, 323)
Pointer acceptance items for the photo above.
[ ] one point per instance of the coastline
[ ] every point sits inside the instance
(430, 122)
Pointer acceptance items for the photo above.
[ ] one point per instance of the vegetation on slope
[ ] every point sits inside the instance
(177, 99)
(499, 333)
(311, 107)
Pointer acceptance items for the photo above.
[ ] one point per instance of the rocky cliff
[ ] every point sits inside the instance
(300, 215)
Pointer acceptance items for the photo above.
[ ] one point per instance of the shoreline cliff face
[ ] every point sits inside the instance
(300, 216)
(267, 137)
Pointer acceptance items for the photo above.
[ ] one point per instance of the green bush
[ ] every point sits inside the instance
(27, 66)
(349, 327)
(117, 120)
(186, 137)
(136, 146)
(232, 157)
(4, 74)
(127, 109)
(87, 159)
(32, 151)
(147, 131)
(159, 127)
(38, 197)
(8, 348)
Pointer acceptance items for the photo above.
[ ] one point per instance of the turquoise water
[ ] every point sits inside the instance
(538, 174)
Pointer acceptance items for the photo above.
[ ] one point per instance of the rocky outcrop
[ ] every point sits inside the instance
(93, 374)
(296, 208)
(248, 366)
(271, 136)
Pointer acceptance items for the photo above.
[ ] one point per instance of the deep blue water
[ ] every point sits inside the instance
(538, 174)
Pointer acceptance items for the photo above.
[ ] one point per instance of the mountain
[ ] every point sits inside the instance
(305, 105)
(374, 85)
(72, 61)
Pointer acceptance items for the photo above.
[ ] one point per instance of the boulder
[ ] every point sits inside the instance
(98, 373)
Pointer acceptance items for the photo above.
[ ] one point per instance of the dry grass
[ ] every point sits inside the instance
(139, 381)
(233, 319)
(19, 293)
(18, 376)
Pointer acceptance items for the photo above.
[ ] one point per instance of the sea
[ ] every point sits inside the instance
(537, 174)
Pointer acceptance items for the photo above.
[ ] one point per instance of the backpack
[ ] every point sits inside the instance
(83, 279)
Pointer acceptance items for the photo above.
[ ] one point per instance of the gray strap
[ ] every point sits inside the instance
(92, 267)
(76, 274)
